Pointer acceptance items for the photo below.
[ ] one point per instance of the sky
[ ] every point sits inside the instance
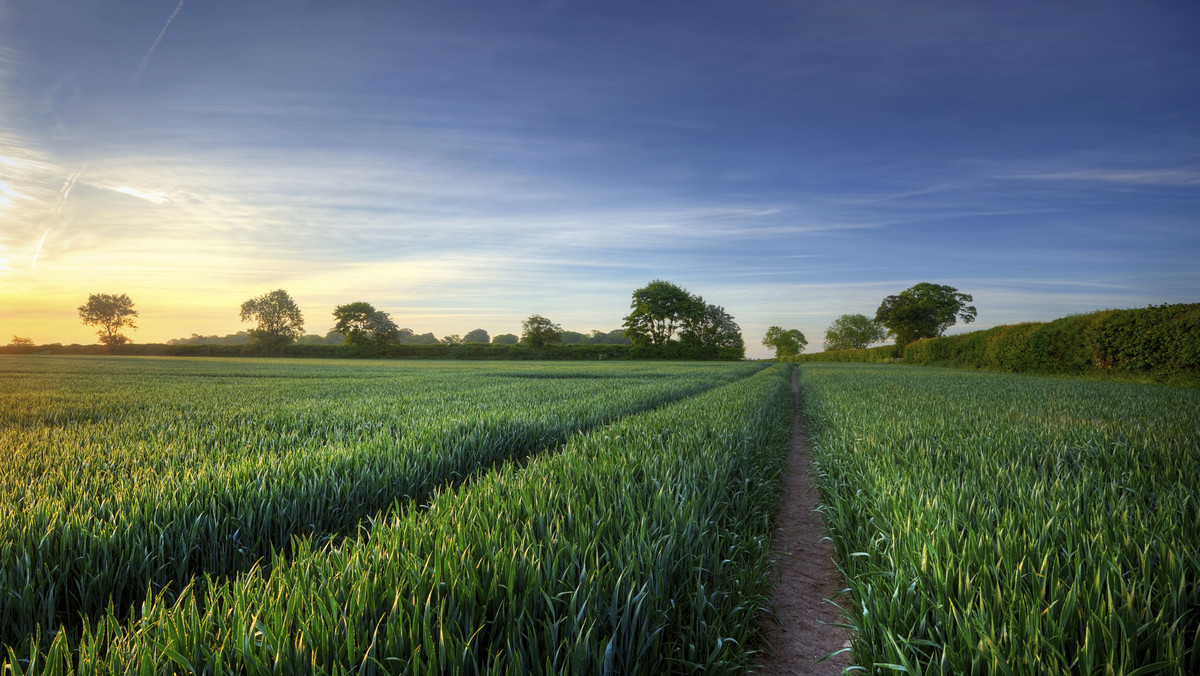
(463, 165)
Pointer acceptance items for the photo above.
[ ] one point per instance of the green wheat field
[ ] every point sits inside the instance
(280, 516)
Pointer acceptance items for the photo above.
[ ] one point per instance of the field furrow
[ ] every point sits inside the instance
(641, 548)
(123, 476)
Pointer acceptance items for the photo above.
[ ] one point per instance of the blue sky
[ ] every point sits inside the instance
(466, 164)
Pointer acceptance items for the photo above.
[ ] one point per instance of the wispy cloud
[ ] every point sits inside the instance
(152, 197)
(1138, 177)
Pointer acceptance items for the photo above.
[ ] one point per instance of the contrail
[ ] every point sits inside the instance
(39, 251)
(65, 192)
(146, 59)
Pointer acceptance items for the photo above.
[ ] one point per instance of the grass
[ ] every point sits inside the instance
(125, 475)
(641, 547)
(991, 523)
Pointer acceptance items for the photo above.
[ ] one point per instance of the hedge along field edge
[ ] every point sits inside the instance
(1159, 343)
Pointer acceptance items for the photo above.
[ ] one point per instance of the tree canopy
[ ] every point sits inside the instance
(111, 312)
(713, 326)
(853, 332)
(662, 311)
(924, 311)
(505, 339)
(785, 342)
(278, 316)
(477, 336)
(537, 331)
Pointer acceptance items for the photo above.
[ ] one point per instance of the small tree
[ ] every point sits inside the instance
(853, 332)
(537, 331)
(111, 312)
(477, 336)
(924, 311)
(786, 343)
(278, 316)
(18, 341)
(506, 339)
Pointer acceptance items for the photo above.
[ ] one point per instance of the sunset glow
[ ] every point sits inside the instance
(463, 166)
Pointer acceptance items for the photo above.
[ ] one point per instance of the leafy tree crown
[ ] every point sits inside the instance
(111, 312)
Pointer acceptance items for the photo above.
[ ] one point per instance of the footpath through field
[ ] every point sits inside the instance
(804, 631)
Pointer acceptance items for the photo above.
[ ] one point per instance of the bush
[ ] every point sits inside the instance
(1160, 342)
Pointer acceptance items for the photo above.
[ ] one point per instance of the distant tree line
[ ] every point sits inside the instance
(922, 311)
(665, 319)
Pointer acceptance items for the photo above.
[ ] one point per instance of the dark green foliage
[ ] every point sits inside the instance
(279, 319)
(506, 339)
(1160, 342)
(537, 331)
(111, 312)
(660, 310)
(786, 343)
(477, 336)
(923, 311)
(665, 314)
(400, 350)
(853, 332)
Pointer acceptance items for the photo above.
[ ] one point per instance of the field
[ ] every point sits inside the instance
(258, 516)
(291, 516)
(993, 523)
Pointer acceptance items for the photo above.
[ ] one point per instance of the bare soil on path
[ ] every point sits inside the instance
(808, 576)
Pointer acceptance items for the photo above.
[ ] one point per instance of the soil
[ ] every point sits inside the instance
(804, 631)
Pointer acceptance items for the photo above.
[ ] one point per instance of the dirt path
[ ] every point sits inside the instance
(807, 573)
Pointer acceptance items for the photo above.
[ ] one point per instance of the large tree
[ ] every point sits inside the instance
(505, 339)
(713, 327)
(537, 331)
(111, 312)
(785, 342)
(660, 309)
(477, 336)
(352, 322)
(852, 332)
(278, 316)
(924, 311)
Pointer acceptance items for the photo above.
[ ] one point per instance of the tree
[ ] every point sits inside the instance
(382, 330)
(786, 343)
(573, 338)
(924, 311)
(505, 339)
(853, 332)
(477, 336)
(713, 327)
(537, 331)
(452, 339)
(278, 316)
(111, 313)
(352, 321)
(18, 341)
(614, 337)
(659, 310)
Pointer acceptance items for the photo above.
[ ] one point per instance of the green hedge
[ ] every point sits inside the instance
(887, 353)
(1160, 342)
(440, 351)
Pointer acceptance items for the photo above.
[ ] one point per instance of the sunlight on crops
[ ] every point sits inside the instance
(989, 523)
